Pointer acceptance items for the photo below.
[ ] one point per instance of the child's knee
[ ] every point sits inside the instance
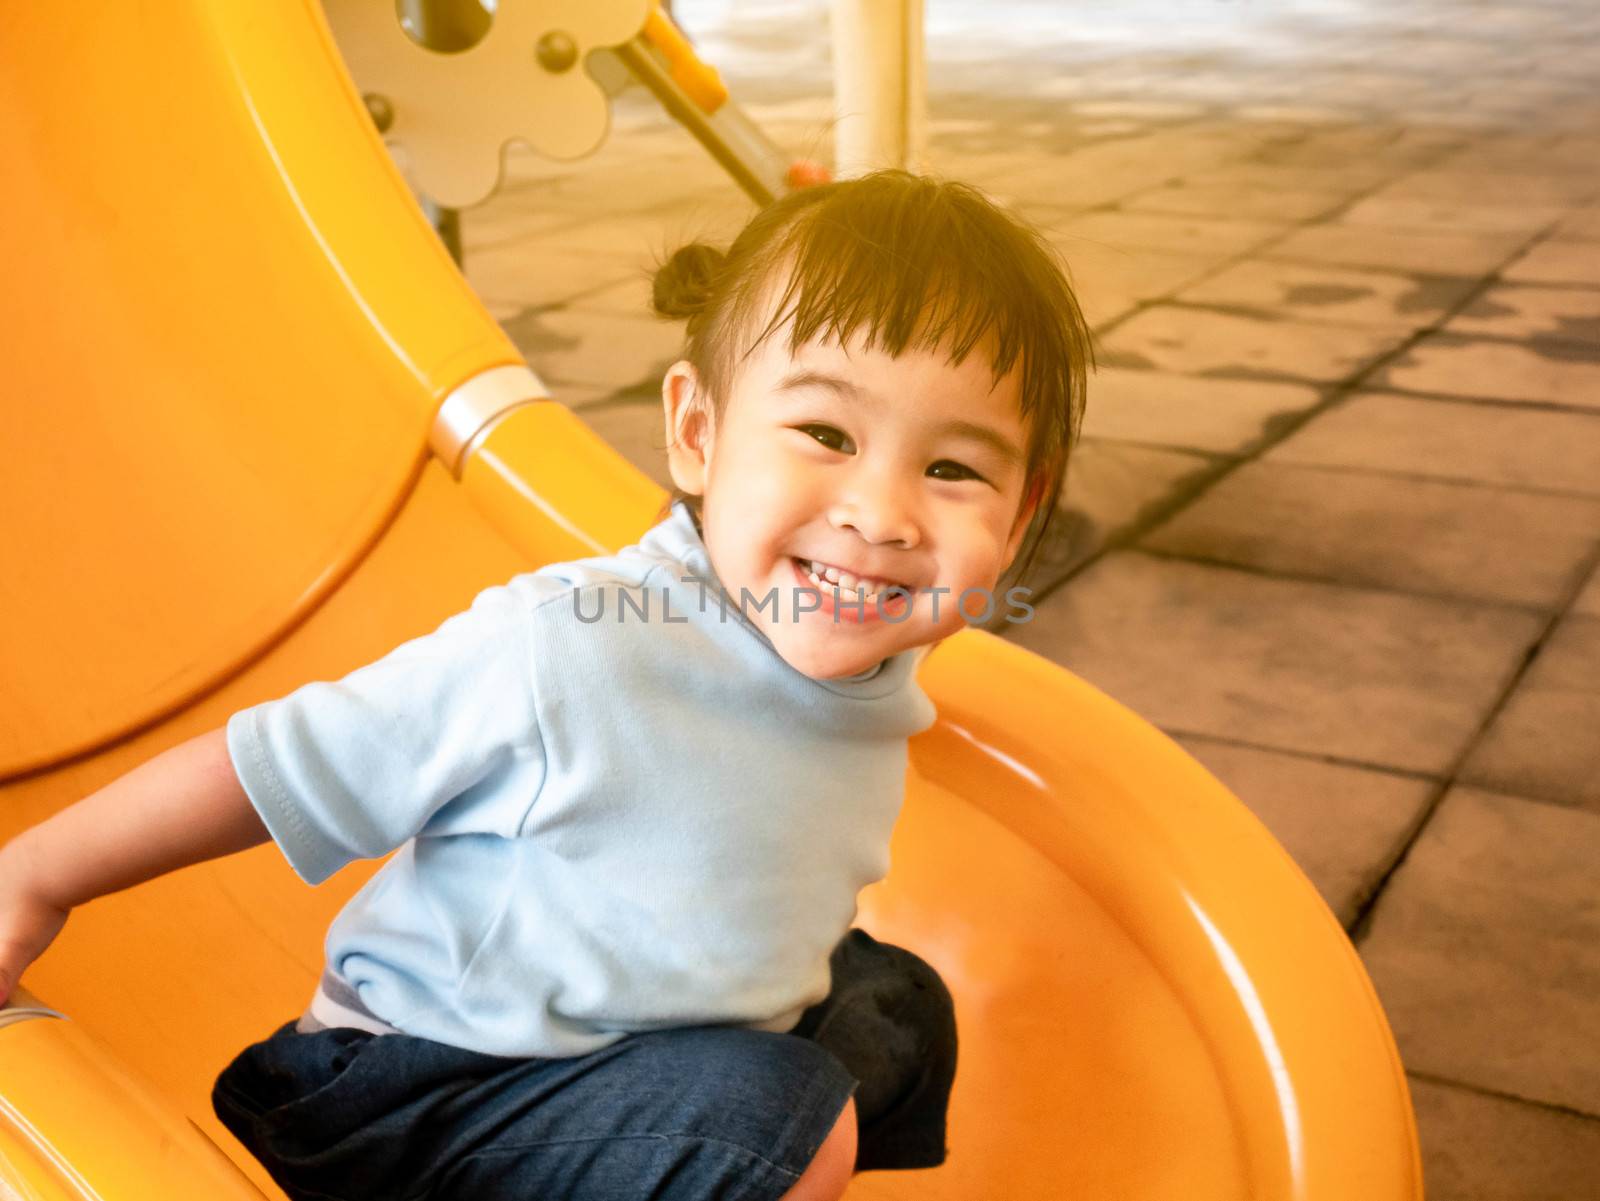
(927, 1012)
(830, 1169)
(891, 1022)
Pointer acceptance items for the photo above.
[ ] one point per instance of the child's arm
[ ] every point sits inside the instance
(184, 806)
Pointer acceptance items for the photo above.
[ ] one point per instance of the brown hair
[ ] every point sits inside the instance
(905, 261)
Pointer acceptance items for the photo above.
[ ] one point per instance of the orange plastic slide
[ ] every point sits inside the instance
(228, 331)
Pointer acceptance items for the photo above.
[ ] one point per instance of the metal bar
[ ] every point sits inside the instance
(755, 162)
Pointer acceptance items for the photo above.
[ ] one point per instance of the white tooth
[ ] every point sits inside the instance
(847, 581)
(832, 574)
(815, 579)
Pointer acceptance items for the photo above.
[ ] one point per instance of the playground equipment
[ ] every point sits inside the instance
(452, 83)
(262, 432)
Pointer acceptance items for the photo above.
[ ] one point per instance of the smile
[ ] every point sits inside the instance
(826, 575)
(851, 598)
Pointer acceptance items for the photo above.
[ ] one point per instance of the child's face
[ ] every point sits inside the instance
(904, 470)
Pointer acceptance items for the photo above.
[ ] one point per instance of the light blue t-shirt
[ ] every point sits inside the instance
(609, 826)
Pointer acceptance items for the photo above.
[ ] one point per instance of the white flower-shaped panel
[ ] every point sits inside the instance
(454, 113)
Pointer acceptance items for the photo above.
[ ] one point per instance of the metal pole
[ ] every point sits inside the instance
(880, 86)
(445, 26)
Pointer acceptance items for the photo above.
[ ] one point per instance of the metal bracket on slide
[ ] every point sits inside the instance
(473, 409)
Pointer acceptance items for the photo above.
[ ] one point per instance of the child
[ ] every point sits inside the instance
(635, 797)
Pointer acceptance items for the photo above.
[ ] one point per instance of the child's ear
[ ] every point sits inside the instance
(689, 429)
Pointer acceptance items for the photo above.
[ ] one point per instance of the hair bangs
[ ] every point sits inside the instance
(908, 274)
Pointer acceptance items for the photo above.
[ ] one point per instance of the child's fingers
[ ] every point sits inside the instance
(11, 966)
(27, 927)
(10, 973)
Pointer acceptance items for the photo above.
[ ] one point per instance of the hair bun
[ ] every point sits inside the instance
(683, 283)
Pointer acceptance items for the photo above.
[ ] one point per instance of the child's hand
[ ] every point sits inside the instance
(184, 806)
(28, 922)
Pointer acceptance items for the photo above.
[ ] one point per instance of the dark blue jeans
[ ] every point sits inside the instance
(691, 1114)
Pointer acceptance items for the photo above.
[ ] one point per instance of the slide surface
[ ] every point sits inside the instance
(228, 332)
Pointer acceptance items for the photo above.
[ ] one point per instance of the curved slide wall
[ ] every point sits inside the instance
(228, 330)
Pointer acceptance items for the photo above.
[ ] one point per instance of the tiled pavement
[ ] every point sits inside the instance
(1335, 522)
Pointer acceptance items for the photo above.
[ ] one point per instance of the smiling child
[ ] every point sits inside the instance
(634, 798)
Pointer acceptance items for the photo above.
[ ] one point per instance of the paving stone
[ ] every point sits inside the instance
(637, 429)
(1378, 678)
(1588, 601)
(650, 238)
(719, 218)
(1508, 189)
(1341, 181)
(979, 167)
(1477, 1147)
(1108, 170)
(578, 397)
(628, 298)
(507, 218)
(1368, 142)
(1520, 158)
(1456, 112)
(1321, 292)
(1222, 201)
(1090, 177)
(1110, 487)
(1434, 537)
(1308, 114)
(1187, 412)
(1485, 949)
(599, 349)
(614, 178)
(1506, 444)
(1556, 373)
(1537, 313)
(1583, 225)
(1545, 742)
(1138, 232)
(1205, 342)
(1143, 109)
(522, 167)
(1399, 250)
(1104, 306)
(1371, 86)
(529, 273)
(1558, 261)
(1397, 210)
(1343, 825)
(1109, 281)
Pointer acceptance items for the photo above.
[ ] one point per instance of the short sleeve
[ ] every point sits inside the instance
(438, 736)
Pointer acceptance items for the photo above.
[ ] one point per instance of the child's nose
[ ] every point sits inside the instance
(879, 508)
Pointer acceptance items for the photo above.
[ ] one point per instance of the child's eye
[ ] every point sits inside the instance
(949, 469)
(833, 439)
